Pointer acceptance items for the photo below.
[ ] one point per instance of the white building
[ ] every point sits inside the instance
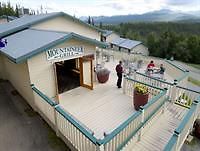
(109, 36)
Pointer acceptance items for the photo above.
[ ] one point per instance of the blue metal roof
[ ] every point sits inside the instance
(27, 21)
(125, 43)
(27, 43)
(129, 44)
(107, 33)
(118, 41)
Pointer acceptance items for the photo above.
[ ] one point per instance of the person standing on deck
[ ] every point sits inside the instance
(119, 70)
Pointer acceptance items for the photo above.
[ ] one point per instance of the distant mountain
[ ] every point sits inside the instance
(163, 15)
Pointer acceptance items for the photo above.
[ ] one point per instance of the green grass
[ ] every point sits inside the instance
(194, 65)
(194, 81)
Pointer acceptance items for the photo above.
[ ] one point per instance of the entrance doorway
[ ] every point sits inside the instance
(68, 75)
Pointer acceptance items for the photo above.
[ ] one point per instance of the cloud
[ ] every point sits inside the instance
(108, 7)
(113, 6)
(181, 2)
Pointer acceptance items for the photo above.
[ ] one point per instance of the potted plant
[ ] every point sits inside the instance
(103, 75)
(141, 95)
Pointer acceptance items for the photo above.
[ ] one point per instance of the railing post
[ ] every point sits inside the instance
(35, 107)
(134, 74)
(124, 84)
(100, 148)
(164, 105)
(56, 121)
(173, 96)
(142, 121)
(177, 142)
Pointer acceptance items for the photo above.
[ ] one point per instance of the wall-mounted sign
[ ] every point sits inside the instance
(58, 53)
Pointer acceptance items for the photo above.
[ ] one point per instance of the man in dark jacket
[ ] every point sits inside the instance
(119, 71)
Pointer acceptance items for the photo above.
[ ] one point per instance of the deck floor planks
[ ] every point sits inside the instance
(106, 107)
(102, 109)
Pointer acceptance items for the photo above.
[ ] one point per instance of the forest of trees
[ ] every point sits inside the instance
(7, 9)
(180, 40)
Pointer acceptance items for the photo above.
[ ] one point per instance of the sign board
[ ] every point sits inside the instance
(58, 53)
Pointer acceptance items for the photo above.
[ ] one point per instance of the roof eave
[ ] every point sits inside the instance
(54, 43)
(4, 34)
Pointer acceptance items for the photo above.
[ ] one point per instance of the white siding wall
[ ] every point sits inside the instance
(111, 37)
(41, 74)
(68, 25)
(141, 49)
(18, 75)
(42, 71)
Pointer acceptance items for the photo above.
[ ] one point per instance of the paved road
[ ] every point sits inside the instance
(21, 129)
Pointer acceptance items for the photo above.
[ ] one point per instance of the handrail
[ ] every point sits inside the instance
(154, 99)
(185, 119)
(47, 99)
(154, 78)
(188, 89)
(134, 116)
(82, 129)
(170, 62)
(174, 139)
(143, 83)
(77, 125)
(120, 128)
(185, 74)
(171, 143)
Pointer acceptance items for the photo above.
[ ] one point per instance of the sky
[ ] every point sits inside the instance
(80, 8)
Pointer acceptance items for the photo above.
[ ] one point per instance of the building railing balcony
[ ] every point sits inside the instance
(82, 138)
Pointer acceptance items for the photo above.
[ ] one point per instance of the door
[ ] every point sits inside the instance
(86, 72)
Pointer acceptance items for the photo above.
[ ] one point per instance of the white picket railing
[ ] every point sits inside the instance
(184, 96)
(129, 84)
(79, 136)
(44, 104)
(155, 82)
(126, 131)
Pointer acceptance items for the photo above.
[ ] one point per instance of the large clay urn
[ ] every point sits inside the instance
(103, 75)
(139, 99)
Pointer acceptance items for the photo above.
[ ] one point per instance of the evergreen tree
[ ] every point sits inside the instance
(1, 11)
(16, 11)
(101, 25)
(92, 21)
(89, 20)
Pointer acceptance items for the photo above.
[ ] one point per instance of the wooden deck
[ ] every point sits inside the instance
(161, 131)
(102, 109)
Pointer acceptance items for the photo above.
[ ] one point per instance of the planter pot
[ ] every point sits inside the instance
(139, 99)
(103, 75)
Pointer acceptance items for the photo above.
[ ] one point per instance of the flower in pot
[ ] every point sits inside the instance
(141, 95)
(103, 75)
